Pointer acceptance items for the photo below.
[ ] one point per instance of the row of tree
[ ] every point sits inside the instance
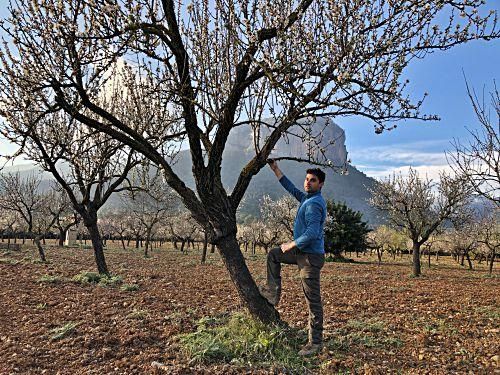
(101, 85)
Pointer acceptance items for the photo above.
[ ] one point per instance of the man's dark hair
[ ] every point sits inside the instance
(318, 173)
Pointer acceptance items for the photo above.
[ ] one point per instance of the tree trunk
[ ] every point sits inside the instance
(468, 260)
(429, 258)
(416, 259)
(148, 242)
(245, 285)
(41, 253)
(492, 260)
(205, 247)
(123, 242)
(62, 236)
(379, 255)
(95, 237)
(212, 250)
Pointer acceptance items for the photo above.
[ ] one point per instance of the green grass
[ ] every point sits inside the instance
(8, 261)
(63, 331)
(49, 279)
(129, 287)
(96, 278)
(243, 341)
(489, 312)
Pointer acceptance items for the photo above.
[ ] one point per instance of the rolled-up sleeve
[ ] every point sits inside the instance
(313, 218)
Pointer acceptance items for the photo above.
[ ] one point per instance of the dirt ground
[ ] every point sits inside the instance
(378, 319)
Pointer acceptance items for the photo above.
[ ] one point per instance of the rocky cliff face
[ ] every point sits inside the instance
(327, 141)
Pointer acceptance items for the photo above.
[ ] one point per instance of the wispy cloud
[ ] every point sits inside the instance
(427, 157)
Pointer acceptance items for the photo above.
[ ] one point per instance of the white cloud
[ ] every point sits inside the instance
(383, 161)
(429, 171)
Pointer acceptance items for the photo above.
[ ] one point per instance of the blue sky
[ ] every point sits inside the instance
(419, 144)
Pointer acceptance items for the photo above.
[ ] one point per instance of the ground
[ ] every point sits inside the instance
(378, 319)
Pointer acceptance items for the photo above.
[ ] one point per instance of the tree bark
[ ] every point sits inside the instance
(416, 259)
(492, 261)
(245, 284)
(205, 248)
(41, 253)
(95, 237)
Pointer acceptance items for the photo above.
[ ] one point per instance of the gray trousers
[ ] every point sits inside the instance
(310, 267)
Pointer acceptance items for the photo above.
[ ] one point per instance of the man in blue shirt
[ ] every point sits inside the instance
(306, 250)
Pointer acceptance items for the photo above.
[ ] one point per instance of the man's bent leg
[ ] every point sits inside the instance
(310, 267)
(272, 291)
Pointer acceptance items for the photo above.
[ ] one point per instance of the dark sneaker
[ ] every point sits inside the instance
(273, 297)
(310, 349)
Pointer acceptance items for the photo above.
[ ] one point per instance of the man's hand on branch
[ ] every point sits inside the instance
(273, 164)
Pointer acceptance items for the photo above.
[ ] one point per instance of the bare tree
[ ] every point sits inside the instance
(420, 206)
(279, 213)
(152, 202)
(89, 166)
(489, 233)
(37, 209)
(479, 160)
(223, 64)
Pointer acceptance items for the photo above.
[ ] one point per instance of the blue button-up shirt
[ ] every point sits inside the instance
(310, 219)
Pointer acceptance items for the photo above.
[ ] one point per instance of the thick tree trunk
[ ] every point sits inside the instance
(39, 247)
(123, 242)
(245, 284)
(416, 259)
(95, 237)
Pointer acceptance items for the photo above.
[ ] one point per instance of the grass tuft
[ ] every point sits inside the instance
(96, 278)
(129, 287)
(63, 331)
(87, 277)
(138, 314)
(49, 279)
(239, 339)
(110, 280)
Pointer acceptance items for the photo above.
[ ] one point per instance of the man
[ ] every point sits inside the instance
(306, 250)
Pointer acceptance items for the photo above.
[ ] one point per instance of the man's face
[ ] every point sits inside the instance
(312, 184)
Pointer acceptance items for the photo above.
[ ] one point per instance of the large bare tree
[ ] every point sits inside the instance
(479, 159)
(218, 65)
(419, 206)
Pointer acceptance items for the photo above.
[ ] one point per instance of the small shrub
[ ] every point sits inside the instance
(87, 278)
(49, 279)
(41, 306)
(96, 278)
(63, 331)
(110, 280)
(243, 340)
(129, 287)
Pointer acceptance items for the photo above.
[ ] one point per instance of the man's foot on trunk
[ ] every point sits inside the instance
(310, 349)
(272, 297)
